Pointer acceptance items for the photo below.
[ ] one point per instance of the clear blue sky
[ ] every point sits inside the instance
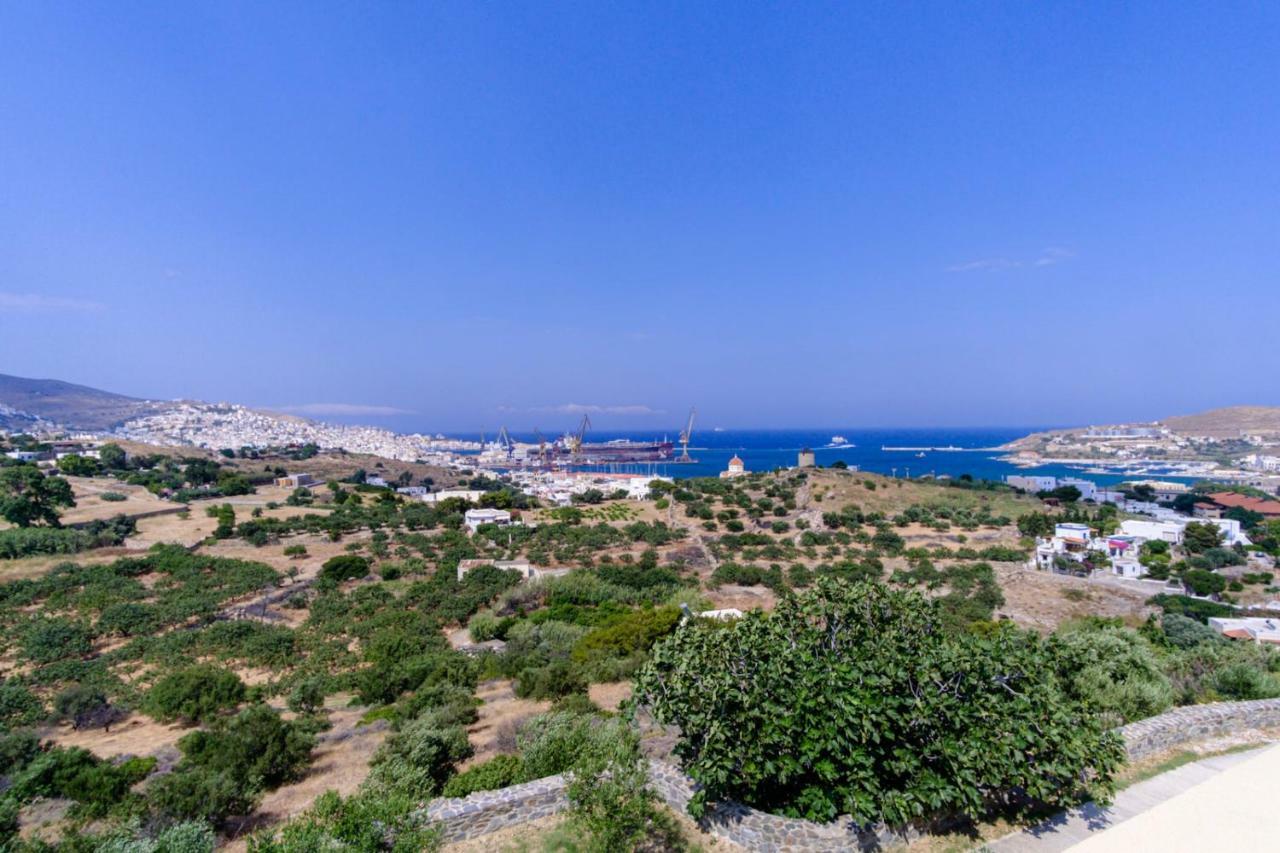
(787, 214)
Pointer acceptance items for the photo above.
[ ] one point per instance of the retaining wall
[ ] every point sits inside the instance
(1195, 722)
(488, 811)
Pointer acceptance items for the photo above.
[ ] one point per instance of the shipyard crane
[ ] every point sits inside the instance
(686, 435)
(575, 440)
(505, 442)
(542, 446)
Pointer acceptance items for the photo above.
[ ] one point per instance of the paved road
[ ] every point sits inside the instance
(1224, 802)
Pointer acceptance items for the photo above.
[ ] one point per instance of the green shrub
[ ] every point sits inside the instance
(1241, 681)
(417, 760)
(551, 743)
(195, 694)
(1184, 632)
(343, 568)
(113, 497)
(127, 619)
(199, 794)
(1116, 671)
(79, 775)
(498, 772)
(881, 706)
(634, 632)
(83, 706)
(18, 705)
(50, 640)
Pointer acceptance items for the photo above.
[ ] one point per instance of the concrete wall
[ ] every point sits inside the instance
(488, 811)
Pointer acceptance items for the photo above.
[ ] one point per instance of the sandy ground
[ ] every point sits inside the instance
(500, 715)
(610, 696)
(173, 529)
(1044, 600)
(743, 598)
(90, 505)
(136, 735)
(340, 763)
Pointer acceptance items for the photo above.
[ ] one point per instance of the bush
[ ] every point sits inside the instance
(84, 707)
(224, 769)
(551, 743)
(343, 568)
(416, 761)
(1202, 582)
(1184, 632)
(1241, 681)
(881, 706)
(255, 746)
(50, 640)
(18, 706)
(195, 694)
(498, 772)
(199, 794)
(127, 619)
(79, 775)
(1115, 670)
(307, 696)
(1194, 608)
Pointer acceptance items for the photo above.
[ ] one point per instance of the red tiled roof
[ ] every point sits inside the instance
(1231, 499)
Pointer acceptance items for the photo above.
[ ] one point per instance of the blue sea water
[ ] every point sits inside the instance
(763, 450)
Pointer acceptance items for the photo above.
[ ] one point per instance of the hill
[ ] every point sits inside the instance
(1228, 422)
(25, 403)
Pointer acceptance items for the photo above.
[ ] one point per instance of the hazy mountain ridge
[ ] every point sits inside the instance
(43, 403)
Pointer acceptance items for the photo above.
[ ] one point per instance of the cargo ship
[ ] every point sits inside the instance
(618, 450)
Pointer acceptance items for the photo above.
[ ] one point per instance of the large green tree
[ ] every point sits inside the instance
(28, 497)
(851, 699)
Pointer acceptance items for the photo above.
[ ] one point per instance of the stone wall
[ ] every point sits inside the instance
(1194, 722)
(488, 811)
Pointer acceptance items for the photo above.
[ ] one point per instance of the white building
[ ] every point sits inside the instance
(24, 455)
(471, 495)
(1129, 568)
(1164, 531)
(737, 468)
(474, 518)
(1072, 531)
(1030, 483)
(1259, 630)
(1172, 530)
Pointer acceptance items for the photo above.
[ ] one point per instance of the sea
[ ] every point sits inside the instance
(892, 452)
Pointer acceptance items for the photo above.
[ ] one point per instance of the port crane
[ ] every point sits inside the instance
(686, 435)
(575, 440)
(505, 442)
(542, 446)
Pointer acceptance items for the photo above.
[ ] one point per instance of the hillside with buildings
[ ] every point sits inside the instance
(1238, 444)
(49, 406)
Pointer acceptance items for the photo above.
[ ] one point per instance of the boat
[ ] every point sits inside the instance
(837, 440)
(617, 450)
(920, 455)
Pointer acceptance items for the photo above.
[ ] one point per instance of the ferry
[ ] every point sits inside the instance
(837, 440)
